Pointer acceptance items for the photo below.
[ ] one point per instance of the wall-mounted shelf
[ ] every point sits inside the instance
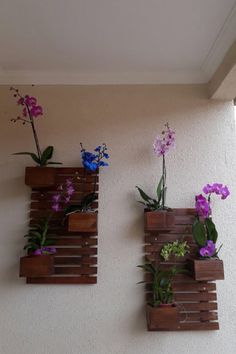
(195, 299)
(76, 256)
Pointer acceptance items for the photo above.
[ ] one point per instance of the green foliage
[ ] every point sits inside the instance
(44, 159)
(176, 248)
(84, 206)
(162, 283)
(204, 230)
(37, 236)
(154, 203)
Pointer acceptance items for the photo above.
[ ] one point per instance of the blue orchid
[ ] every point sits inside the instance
(93, 161)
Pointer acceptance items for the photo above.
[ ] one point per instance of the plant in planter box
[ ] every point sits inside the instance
(81, 216)
(162, 313)
(177, 249)
(207, 266)
(158, 215)
(39, 261)
(35, 177)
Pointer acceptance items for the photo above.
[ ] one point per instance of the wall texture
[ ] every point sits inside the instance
(109, 317)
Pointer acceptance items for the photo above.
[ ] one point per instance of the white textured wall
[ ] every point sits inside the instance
(109, 317)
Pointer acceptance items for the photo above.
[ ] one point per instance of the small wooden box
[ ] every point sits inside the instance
(209, 269)
(159, 220)
(36, 266)
(82, 222)
(162, 318)
(40, 177)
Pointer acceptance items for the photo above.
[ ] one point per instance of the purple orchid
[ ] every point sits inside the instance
(209, 250)
(64, 195)
(44, 250)
(202, 206)
(163, 144)
(30, 111)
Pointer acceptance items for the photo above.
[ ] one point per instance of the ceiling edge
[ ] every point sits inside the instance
(222, 43)
(75, 78)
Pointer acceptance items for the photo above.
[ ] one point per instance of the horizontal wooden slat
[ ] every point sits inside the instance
(83, 270)
(75, 260)
(69, 241)
(200, 306)
(60, 179)
(63, 280)
(195, 297)
(184, 219)
(194, 286)
(76, 251)
(189, 287)
(165, 238)
(198, 316)
(47, 205)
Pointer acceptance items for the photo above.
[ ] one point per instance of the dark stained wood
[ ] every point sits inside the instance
(76, 257)
(75, 260)
(158, 220)
(210, 269)
(36, 266)
(162, 318)
(82, 222)
(63, 280)
(84, 270)
(40, 177)
(195, 299)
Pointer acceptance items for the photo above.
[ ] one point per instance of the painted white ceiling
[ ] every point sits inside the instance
(114, 41)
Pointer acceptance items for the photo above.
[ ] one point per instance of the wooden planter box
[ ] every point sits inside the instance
(40, 177)
(162, 318)
(36, 266)
(82, 222)
(209, 269)
(159, 220)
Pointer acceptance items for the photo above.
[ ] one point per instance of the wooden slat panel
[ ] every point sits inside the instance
(75, 251)
(189, 287)
(198, 316)
(196, 297)
(164, 238)
(201, 306)
(47, 205)
(84, 270)
(75, 260)
(63, 280)
(196, 300)
(69, 241)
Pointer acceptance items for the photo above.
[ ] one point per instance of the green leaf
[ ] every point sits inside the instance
(46, 155)
(33, 156)
(159, 189)
(211, 230)
(199, 233)
(144, 195)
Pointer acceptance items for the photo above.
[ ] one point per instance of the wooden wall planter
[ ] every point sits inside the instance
(196, 300)
(75, 261)
(36, 266)
(210, 269)
(82, 222)
(159, 220)
(162, 318)
(40, 177)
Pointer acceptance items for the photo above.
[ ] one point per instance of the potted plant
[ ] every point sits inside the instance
(174, 250)
(161, 312)
(157, 215)
(207, 265)
(81, 216)
(39, 176)
(40, 261)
